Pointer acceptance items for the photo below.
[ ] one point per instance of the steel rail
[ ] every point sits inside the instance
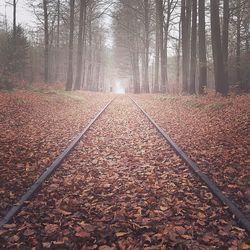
(49, 171)
(240, 217)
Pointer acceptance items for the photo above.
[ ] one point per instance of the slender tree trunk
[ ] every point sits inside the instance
(193, 61)
(202, 48)
(146, 77)
(166, 29)
(238, 44)
(71, 40)
(80, 46)
(219, 73)
(14, 20)
(247, 83)
(157, 48)
(90, 57)
(136, 68)
(186, 20)
(226, 18)
(143, 67)
(161, 41)
(58, 40)
(46, 41)
(152, 76)
(14, 36)
(98, 65)
(178, 59)
(84, 49)
(134, 58)
(248, 30)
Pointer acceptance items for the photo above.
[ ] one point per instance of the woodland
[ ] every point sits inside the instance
(146, 46)
(154, 97)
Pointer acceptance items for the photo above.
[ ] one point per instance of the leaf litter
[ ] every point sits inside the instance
(34, 129)
(124, 188)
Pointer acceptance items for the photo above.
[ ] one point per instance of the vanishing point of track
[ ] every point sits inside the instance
(34, 189)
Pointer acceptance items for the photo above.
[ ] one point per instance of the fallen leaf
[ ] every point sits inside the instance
(87, 227)
(14, 238)
(51, 228)
(120, 234)
(28, 232)
(46, 245)
(186, 237)
(95, 161)
(245, 246)
(66, 213)
(207, 238)
(2, 232)
(163, 208)
(58, 243)
(82, 234)
(9, 226)
(180, 229)
(105, 247)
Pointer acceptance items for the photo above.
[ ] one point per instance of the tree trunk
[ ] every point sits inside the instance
(14, 21)
(226, 17)
(166, 30)
(146, 79)
(219, 73)
(202, 48)
(238, 44)
(84, 49)
(157, 48)
(90, 57)
(186, 20)
(71, 40)
(136, 67)
(178, 58)
(80, 45)
(247, 81)
(46, 42)
(161, 41)
(193, 61)
(14, 36)
(58, 40)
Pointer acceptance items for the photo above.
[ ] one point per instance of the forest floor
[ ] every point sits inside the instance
(35, 127)
(123, 187)
(215, 132)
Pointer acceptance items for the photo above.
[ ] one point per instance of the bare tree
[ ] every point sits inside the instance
(14, 19)
(193, 61)
(238, 43)
(46, 41)
(160, 14)
(157, 44)
(226, 19)
(186, 21)
(71, 40)
(146, 26)
(202, 48)
(221, 85)
(58, 39)
(80, 44)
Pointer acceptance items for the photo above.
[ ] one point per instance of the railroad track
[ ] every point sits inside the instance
(237, 214)
(49, 171)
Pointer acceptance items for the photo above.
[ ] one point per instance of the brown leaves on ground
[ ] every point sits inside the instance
(124, 188)
(215, 132)
(34, 129)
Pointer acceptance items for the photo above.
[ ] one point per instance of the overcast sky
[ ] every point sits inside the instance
(24, 15)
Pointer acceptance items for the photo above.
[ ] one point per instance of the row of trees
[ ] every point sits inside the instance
(158, 45)
(67, 44)
(178, 45)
